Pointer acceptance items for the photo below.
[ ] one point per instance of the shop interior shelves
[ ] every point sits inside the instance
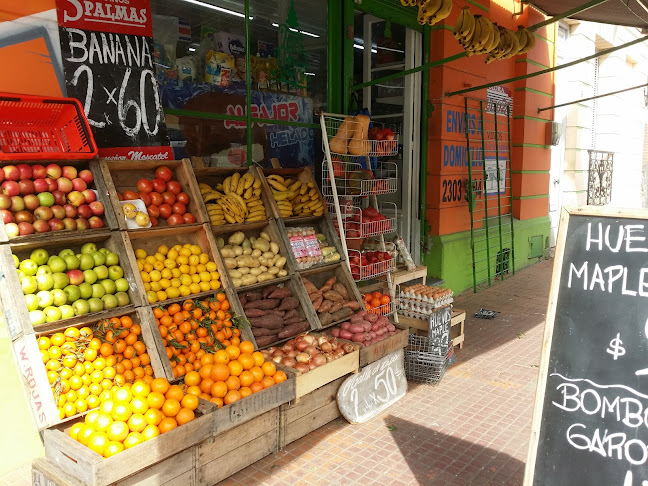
(370, 148)
(122, 175)
(13, 299)
(369, 271)
(305, 176)
(352, 178)
(360, 223)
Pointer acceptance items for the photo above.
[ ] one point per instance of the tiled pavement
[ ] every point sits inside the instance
(471, 429)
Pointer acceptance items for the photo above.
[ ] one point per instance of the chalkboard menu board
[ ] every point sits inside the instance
(590, 423)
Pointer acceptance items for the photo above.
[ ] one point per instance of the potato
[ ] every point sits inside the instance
(274, 248)
(268, 255)
(230, 263)
(244, 270)
(247, 251)
(237, 282)
(273, 270)
(249, 279)
(238, 251)
(235, 274)
(220, 242)
(262, 245)
(256, 253)
(265, 236)
(247, 261)
(281, 261)
(263, 261)
(246, 243)
(228, 253)
(236, 238)
(282, 273)
(255, 271)
(252, 240)
(265, 276)
(274, 259)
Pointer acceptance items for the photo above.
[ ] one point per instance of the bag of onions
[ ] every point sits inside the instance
(308, 351)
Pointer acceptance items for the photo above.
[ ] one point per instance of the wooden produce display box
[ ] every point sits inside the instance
(122, 175)
(305, 175)
(150, 241)
(34, 375)
(12, 297)
(109, 219)
(212, 176)
(250, 230)
(375, 351)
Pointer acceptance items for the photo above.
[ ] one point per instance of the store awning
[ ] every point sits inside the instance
(632, 13)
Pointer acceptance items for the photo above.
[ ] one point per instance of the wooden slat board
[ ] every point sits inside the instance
(320, 376)
(369, 354)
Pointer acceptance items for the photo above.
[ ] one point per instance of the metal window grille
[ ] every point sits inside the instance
(599, 181)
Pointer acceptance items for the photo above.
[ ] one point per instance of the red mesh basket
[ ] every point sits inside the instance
(36, 128)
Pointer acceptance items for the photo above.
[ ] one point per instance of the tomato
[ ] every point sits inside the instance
(174, 187)
(154, 221)
(144, 186)
(338, 169)
(175, 219)
(183, 198)
(120, 196)
(165, 211)
(169, 198)
(146, 198)
(156, 198)
(159, 185)
(130, 195)
(164, 173)
(179, 208)
(153, 211)
(189, 218)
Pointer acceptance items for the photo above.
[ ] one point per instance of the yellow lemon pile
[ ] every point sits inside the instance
(180, 271)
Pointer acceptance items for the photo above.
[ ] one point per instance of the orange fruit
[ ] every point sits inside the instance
(233, 383)
(136, 422)
(98, 442)
(235, 368)
(279, 376)
(102, 421)
(184, 415)
(155, 400)
(149, 432)
(205, 371)
(132, 440)
(246, 360)
(112, 448)
(140, 389)
(118, 431)
(168, 423)
(207, 358)
(139, 405)
(267, 382)
(190, 401)
(217, 401)
(256, 387)
(231, 397)
(192, 378)
(269, 368)
(245, 391)
(123, 395)
(247, 378)
(121, 412)
(258, 358)
(85, 433)
(171, 408)
(206, 385)
(233, 351)
(258, 374)
(74, 430)
(194, 390)
(153, 416)
(220, 372)
(221, 356)
(160, 385)
(219, 389)
(246, 347)
(174, 393)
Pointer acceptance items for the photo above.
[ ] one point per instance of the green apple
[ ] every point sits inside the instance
(66, 252)
(98, 291)
(45, 199)
(52, 314)
(20, 273)
(61, 280)
(44, 270)
(111, 259)
(29, 285)
(29, 267)
(59, 296)
(45, 298)
(102, 272)
(32, 302)
(122, 298)
(109, 301)
(40, 256)
(16, 261)
(37, 317)
(73, 293)
(99, 258)
(81, 307)
(88, 248)
(96, 305)
(57, 264)
(67, 311)
(86, 290)
(105, 251)
(86, 262)
(121, 285)
(109, 286)
(45, 282)
(71, 262)
(89, 276)
(115, 272)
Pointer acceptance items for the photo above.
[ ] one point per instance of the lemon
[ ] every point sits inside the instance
(155, 276)
(195, 278)
(155, 286)
(211, 266)
(147, 286)
(195, 288)
(175, 272)
(184, 290)
(204, 258)
(170, 263)
(165, 283)
(184, 269)
(215, 275)
(173, 292)
(175, 282)
(150, 259)
(159, 266)
(204, 286)
(152, 297)
(196, 250)
(166, 273)
(161, 295)
(148, 267)
(160, 257)
(177, 247)
(146, 278)
(215, 284)
(185, 279)
(163, 249)
(200, 268)
(173, 254)
(185, 252)
(194, 260)
(183, 260)
(204, 277)
(140, 264)
(140, 254)
(192, 270)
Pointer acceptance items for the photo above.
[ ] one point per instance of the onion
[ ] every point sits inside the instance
(290, 343)
(309, 339)
(270, 350)
(311, 350)
(326, 347)
(301, 345)
(302, 367)
(277, 359)
(321, 340)
(328, 356)
(293, 353)
(319, 360)
(289, 362)
(288, 347)
(312, 366)
(302, 358)
(339, 352)
(278, 352)
(347, 348)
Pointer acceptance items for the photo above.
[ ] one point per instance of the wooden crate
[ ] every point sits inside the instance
(320, 376)
(212, 176)
(170, 236)
(320, 275)
(13, 302)
(457, 333)
(122, 175)
(320, 225)
(305, 175)
(369, 354)
(109, 218)
(252, 230)
(294, 283)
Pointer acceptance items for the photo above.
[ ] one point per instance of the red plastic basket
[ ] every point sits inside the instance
(36, 128)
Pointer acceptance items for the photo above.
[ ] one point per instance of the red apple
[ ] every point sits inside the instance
(144, 186)
(69, 223)
(189, 218)
(26, 187)
(53, 171)
(84, 211)
(5, 201)
(10, 188)
(76, 277)
(26, 229)
(64, 185)
(79, 184)
(69, 172)
(87, 176)
(41, 226)
(1, 175)
(11, 173)
(97, 208)
(17, 204)
(25, 171)
(23, 216)
(51, 185)
(59, 198)
(70, 211)
(58, 211)
(89, 195)
(31, 202)
(43, 212)
(6, 216)
(159, 185)
(82, 224)
(75, 198)
(56, 224)
(39, 172)
(175, 219)
(41, 185)
(95, 222)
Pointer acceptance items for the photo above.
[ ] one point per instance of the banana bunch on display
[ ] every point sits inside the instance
(431, 12)
(295, 198)
(236, 200)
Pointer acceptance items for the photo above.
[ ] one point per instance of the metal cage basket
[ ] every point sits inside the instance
(424, 361)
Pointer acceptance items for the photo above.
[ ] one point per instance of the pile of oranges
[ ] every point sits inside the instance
(182, 270)
(193, 329)
(82, 364)
(377, 303)
(133, 414)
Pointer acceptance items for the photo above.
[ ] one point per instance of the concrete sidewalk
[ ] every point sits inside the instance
(471, 429)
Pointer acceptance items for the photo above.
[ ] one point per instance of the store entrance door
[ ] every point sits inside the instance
(382, 48)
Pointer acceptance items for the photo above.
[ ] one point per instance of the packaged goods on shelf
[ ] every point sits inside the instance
(420, 300)
(404, 253)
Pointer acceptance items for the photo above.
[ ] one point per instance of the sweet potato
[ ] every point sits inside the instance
(255, 313)
(341, 289)
(242, 300)
(326, 306)
(310, 287)
(251, 296)
(266, 304)
(315, 295)
(341, 314)
(277, 312)
(325, 288)
(335, 306)
(268, 290)
(334, 296)
(265, 340)
(292, 330)
(293, 320)
(291, 313)
(352, 304)
(331, 281)
(269, 321)
(289, 303)
(325, 318)
(262, 331)
(317, 303)
(281, 293)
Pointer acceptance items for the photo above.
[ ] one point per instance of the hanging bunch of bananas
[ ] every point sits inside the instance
(431, 12)
(236, 200)
(512, 44)
(295, 198)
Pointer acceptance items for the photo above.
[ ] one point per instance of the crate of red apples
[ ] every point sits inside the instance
(369, 264)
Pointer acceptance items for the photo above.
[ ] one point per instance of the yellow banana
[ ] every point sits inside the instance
(256, 218)
(465, 24)
(230, 219)
(204, 188)
(427, 9)
(226, 184)
(277, 185)
(219, 187)
(442, 13)
(240, 187)
(248, 193)
(236, 176)
(249, 180)
(276, 177)
(530, 40)
(257, 184)
(279, 196)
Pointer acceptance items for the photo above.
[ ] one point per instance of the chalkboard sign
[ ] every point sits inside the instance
(439, 327)
(364, 395)
(590, 424)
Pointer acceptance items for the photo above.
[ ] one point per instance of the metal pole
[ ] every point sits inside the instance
(248, 84)
(483, 159)
(592, 98)
(569, 13)
(549, 70)
(510, 171)
(499, 198)
(470, 194)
